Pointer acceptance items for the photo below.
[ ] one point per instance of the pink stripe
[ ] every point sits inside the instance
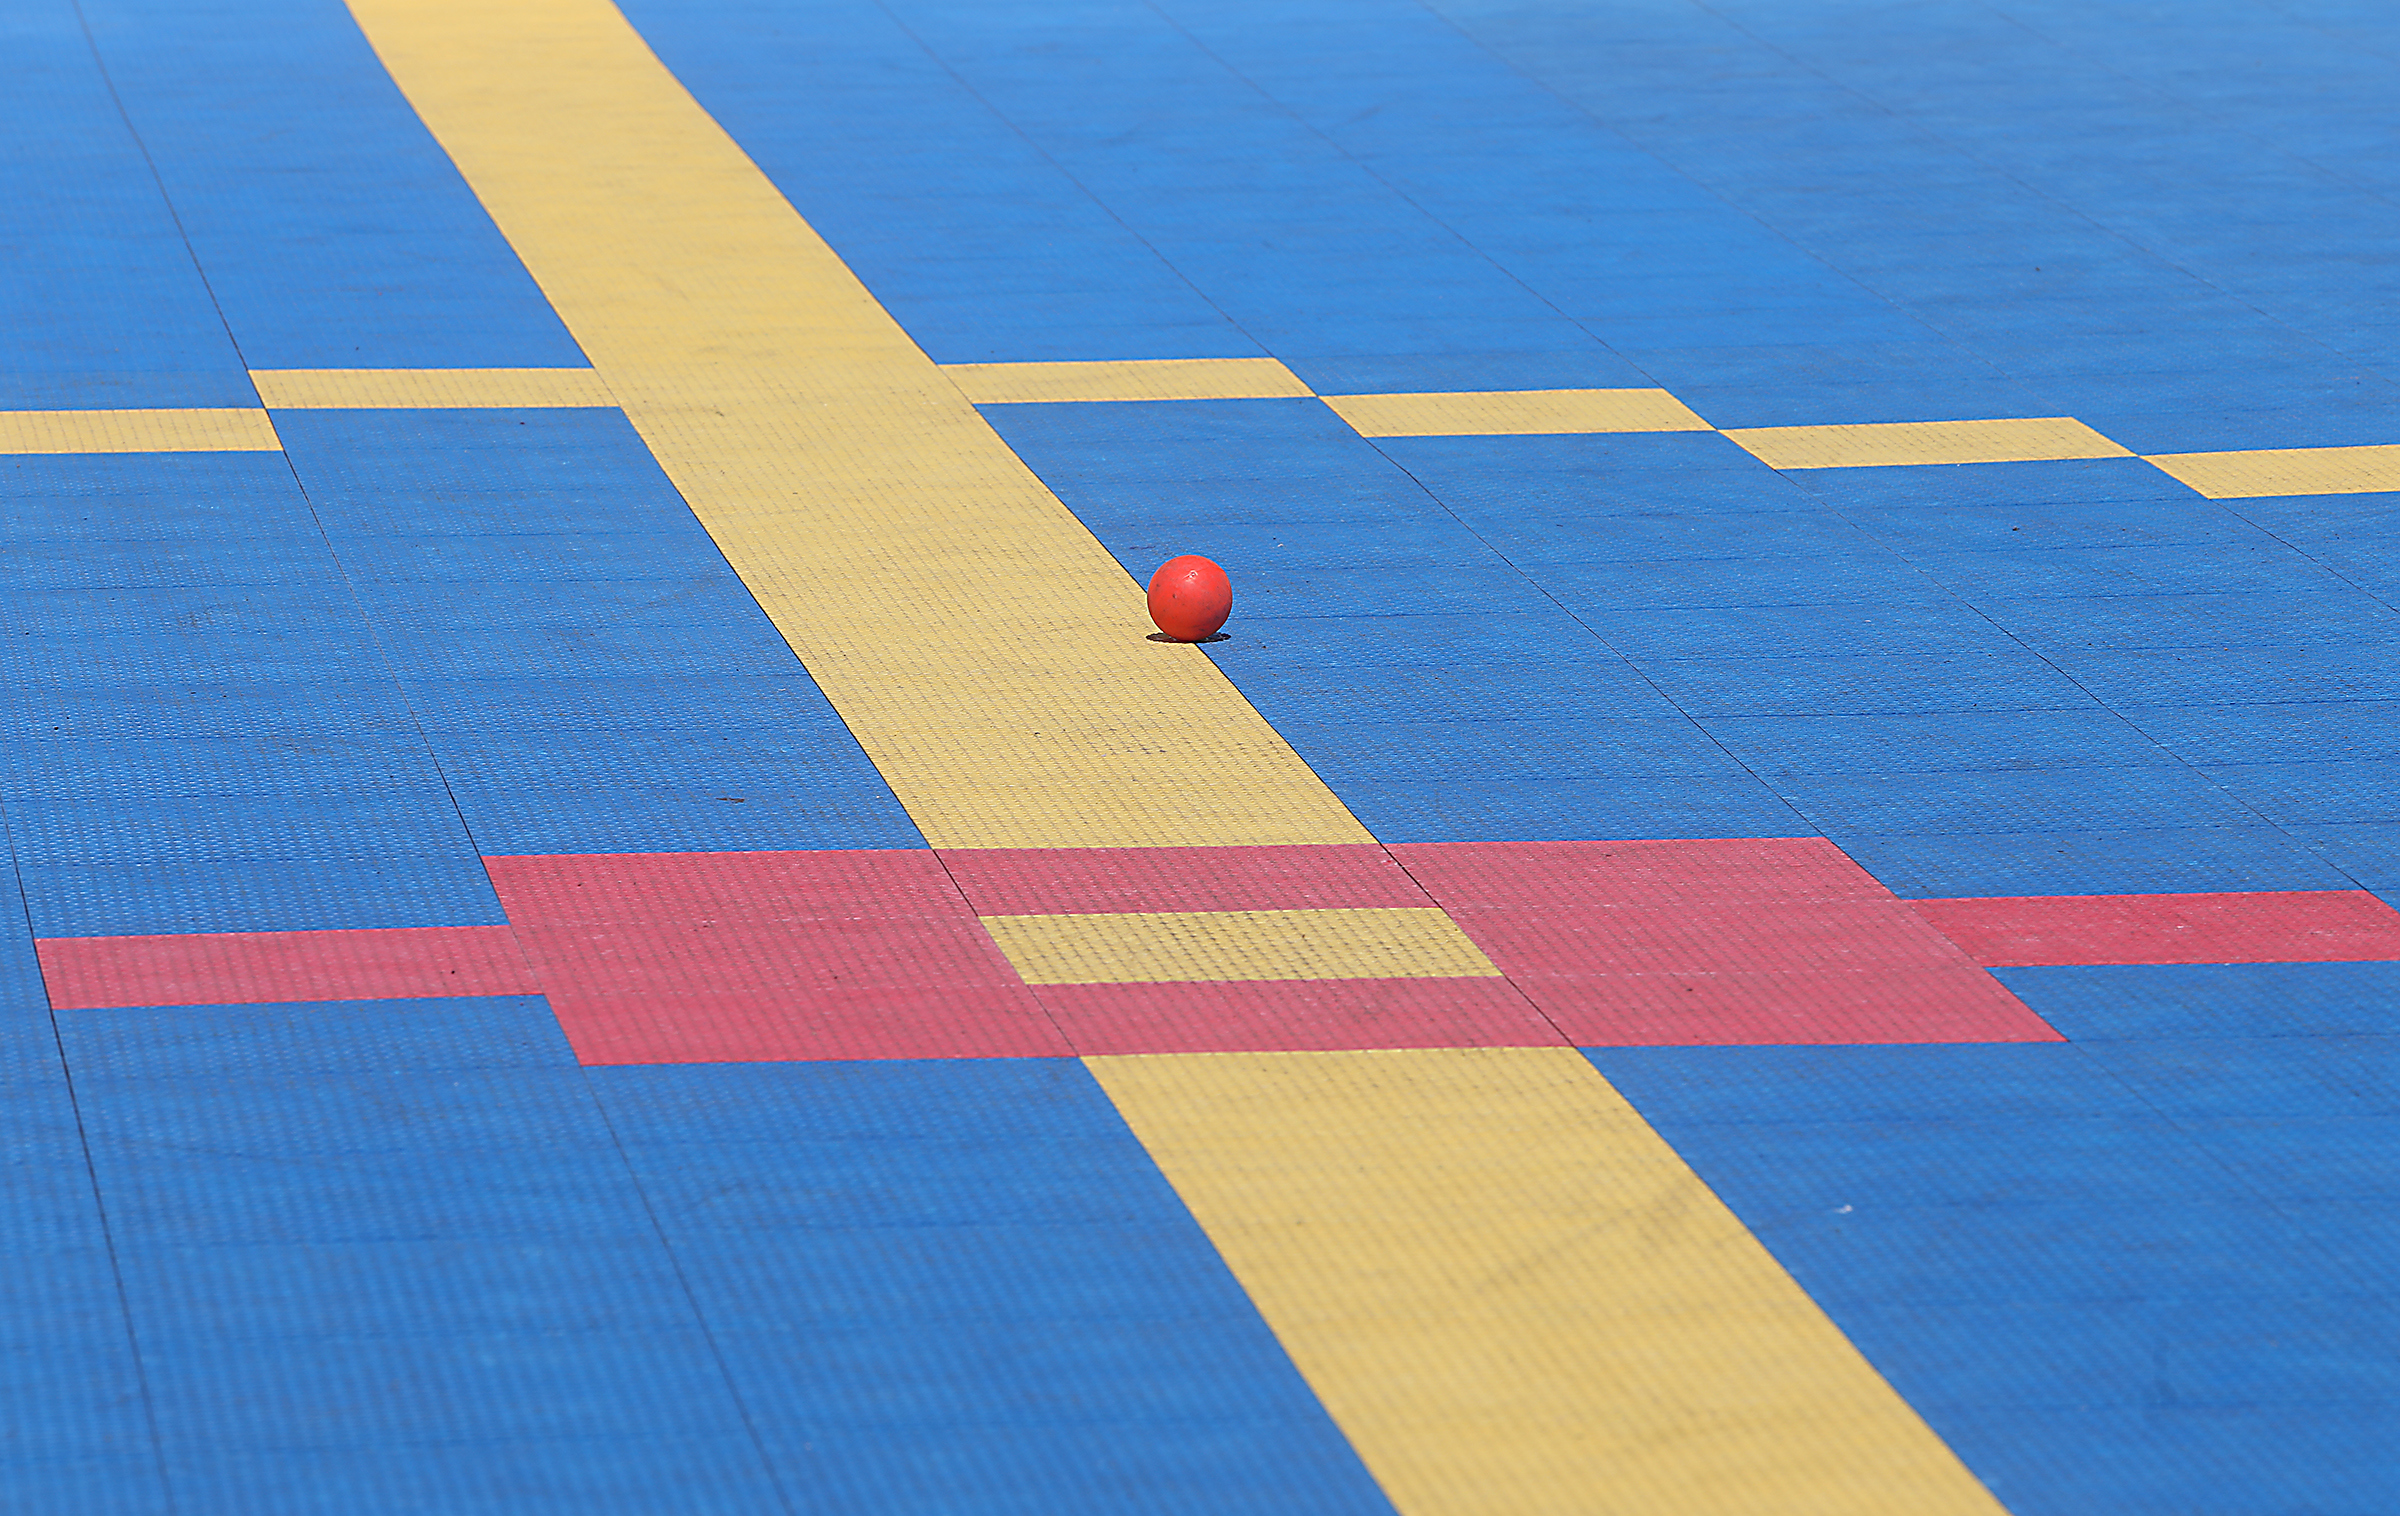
(877, 954)
(240, 968)
(746, 957)
(1056, 881)
(1726, 941)
(645, 888)
(852, 1022)
(1819, 1006)
(1286, 1016)
(1545, 876)
(2298, 926)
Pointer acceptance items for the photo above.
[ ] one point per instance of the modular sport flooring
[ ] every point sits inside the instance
(1779, 901)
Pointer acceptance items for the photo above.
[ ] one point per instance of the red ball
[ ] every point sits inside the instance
(1190, 597)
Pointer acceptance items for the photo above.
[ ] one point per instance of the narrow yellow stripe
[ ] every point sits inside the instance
(293, 389)
(1159, 947)
(1517, 1300)
(1130, 379)
(1515, 413)
(986, 650)
(211, 431)
(2287, 471)
(1886, 444)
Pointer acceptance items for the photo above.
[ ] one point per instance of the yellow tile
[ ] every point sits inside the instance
(293, 389)
(1167, 946)
(882, 523)
(1515, 413)
(2287, 471)
(1517, 1300)
(212, 431)
(1132, 379)
(1884, 444)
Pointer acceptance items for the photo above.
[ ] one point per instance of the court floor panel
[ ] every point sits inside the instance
(1766, 904)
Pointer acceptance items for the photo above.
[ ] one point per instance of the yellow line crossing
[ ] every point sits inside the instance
(2238, 475)
(987, 653)
(983, 646)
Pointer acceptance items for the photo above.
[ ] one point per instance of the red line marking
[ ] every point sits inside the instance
(2284, 926)
(851, 1022)
(709, 957)
(753, 957)
(241, 968)
(1721, 942)
(1059, 881)
(646, 888)
(1319, 1015)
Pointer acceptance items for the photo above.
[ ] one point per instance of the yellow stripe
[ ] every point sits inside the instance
(1515, 413)
(988, 654)
(2287, 471)
(987, 651)
(213, 431)
(1882, 445)
(428, 388)
(1403, 942)
(1130, 379)
(1516, 1300)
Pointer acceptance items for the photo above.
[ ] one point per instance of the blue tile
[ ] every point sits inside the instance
(1955, 532)
(2243, 734)
(1570, 809)
(98, 769)
(2092, 1004)
(104, 308)
(1964, 1219)
(1484, 752)
(710, 820)
(1947, 742)
(515, 1386)
(283, 895)
(901, 1255)
(1932, 625)
(208, 1043)
(1871, 685)
(460, 1113)
(334, 232)
(1590, 367)
(2012, 800)
(1869, 577)
(2315, 793)
(233, 828)
(2280, 666)
(716, 1472)
(193, 1300)
(2368, 854)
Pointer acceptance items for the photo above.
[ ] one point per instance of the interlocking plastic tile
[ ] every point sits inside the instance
(243, 968)
(406, 1254)
(1146, 379)
(1318, 1015)
(1349, 942)
(1028, 881)
(1740, 941)
(151, 899)
(2297, 926)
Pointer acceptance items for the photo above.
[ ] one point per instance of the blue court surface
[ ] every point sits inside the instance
(1956, 443)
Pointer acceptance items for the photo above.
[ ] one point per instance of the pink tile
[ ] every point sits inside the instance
(2297, 926)
(1283, 1016)
(239, 968)
(1058, 881)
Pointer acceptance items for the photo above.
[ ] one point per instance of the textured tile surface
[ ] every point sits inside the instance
(559, 565)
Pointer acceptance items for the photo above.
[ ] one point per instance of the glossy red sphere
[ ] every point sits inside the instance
(1190, 597)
